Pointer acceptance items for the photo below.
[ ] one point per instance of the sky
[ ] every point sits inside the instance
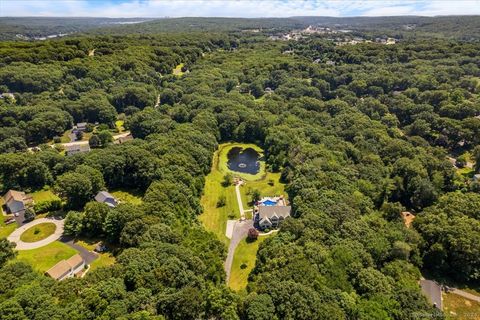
(234, 8)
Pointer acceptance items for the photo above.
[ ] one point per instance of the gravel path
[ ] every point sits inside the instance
(20, 245)
(466, 295)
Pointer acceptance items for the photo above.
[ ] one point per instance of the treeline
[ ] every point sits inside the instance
(57, 83)
(346, 140)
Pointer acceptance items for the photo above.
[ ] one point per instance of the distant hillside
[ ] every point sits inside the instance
(12, 28)
(459, 27)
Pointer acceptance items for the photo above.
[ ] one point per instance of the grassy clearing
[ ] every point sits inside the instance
(44, 195)
(215, 218)
(178, 70)
(269, 186)
(104, 259)
(128, 196)
(5, 230)
(243, 263)
(44, 258)
(456, 307)
(38, 232)
(222, 162)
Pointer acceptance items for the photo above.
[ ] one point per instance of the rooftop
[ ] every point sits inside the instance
(64, 267)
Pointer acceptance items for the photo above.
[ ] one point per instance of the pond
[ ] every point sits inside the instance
(243, 160)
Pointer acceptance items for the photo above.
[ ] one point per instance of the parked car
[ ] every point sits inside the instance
(100, 248)
(16, 214)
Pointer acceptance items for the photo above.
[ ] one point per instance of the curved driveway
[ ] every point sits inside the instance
(20, 245)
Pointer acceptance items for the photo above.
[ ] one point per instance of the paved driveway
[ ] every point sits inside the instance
(20, 245)
(433, 292)
(86, 254)
(240, 232)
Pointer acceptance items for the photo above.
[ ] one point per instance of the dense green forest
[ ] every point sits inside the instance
(360, 133)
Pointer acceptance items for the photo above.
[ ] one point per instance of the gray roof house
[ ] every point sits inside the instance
(81, 126)
(272, 216)
(16, 201)
(76, 148)
(476, 177)
(107, 198)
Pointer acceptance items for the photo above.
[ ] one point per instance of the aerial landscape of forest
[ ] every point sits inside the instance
(303, 167)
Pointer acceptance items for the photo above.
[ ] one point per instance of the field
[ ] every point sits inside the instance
(38, 232)
(127, 196)
(458, 308)
(245, 257)
(44, 195)
(5, 230)
(215, 218)
(44, 258)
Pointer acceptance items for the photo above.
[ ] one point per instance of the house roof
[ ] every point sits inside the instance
(14, 195)
(270, 211)
(103, 196)
(64, 266)
(78, 147)
(81, 124)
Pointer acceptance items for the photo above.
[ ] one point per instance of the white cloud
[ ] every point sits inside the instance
(232, 8)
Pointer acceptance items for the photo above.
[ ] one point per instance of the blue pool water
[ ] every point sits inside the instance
(269, 203)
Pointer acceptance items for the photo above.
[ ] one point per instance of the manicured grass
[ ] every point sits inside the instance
(38, 232)
(46, 257)
(104, 259)
(268, 186)
(215, 218)
(222, 162)
(456, 307)
(245, 256)
(128, 196)
(6, 229)
(44, 195)
(178, 70)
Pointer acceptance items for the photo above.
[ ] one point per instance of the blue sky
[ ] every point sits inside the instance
(231, 8)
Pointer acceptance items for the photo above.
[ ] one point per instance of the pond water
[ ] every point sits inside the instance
(243, 160)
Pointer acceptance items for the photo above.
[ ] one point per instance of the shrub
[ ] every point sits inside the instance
(48, 205)
(57, 139)
(227, 180)
(252, 234)
(221, 201)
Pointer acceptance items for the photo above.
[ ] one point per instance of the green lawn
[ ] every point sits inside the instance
(44, 195)
(5, 230)
(213, 218)
(38, 232)
(178, 70)
(128, 196)
(104, 259)
(458, 308)
(44, 258)
(245, 256)
(269, 186)
(222, 154)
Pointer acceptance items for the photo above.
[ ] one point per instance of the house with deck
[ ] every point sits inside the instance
(66, 268)
(270, 212)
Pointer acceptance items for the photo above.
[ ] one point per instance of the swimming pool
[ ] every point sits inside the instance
(269, 203)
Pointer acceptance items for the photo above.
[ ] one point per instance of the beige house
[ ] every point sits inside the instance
(66, 268)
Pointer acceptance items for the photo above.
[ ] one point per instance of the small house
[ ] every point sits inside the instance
(124, 139)
(81, 126)
(66, 268)
(16, 201)
(476, 177)
(107, 198)
(76, 148)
